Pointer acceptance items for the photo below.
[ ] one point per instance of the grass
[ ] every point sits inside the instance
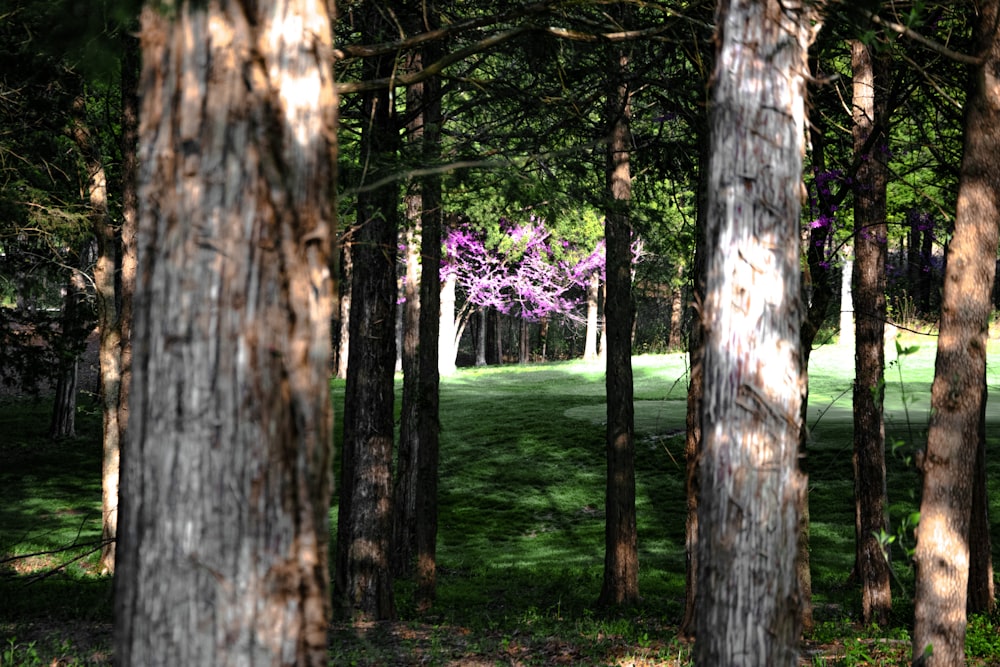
(521, 526)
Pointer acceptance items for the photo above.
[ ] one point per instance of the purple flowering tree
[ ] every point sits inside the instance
(524, 270)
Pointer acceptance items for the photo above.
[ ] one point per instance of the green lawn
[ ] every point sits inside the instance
(521, 524)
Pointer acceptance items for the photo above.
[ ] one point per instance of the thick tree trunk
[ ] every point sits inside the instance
(621, 556)
(363, 583)
(870, 504)
(751, 488)
(942, 553)
(223, 524)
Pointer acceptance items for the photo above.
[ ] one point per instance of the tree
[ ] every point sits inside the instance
(363, 581)
(621, 556)
(871, 520)
(226, 473)
(942, 551)
(750, 484)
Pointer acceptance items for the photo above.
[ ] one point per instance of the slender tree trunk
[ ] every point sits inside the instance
(429, 379)
(751, 488)
(448, 327)
(590, 340)
(108, 324)
(981, 599)
(942, 553)
(344, 314)
(63, 422)
(621, 557)
(223, 524)
(692, 441)
(870, 502)
(405, 489)
(126, 288)
(363, 583)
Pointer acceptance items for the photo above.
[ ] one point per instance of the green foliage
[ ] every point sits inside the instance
(982, 639)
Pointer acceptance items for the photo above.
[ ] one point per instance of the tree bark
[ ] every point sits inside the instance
(126, 290)
(344, 305)
(942, 552)
(981, 599)
(428, 422)
(363, 583)
(621, 556)
(590, 340)
(870, 502)
(109, 327)
(226, 474)
(751, 488)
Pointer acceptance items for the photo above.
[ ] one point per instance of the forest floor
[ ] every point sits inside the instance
(520, 546)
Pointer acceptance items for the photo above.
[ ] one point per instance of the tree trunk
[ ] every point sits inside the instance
(126, 289)
(109, 326)
(429, 379)
(363, 583)
(405, 489)
(590, 340)
(942, 552)
(870, 504)
(981, 598)
(63, 423)
(692, 440)
(621, 557)
(223, 523)
(344, 305)
(751, 488)
(448, 327)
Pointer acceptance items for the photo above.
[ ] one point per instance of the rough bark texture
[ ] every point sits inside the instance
(226, 474)
(942, 553)
(748, 598)
(871, 563)
(621, 558)
(363, 583)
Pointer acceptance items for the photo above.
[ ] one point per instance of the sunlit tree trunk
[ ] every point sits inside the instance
(621, 556)
(942, 552)
(344, 305)
(590, 340)
(871, 235)
(226, 473)
(108, 324)
(751, 488)
(448, 327)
